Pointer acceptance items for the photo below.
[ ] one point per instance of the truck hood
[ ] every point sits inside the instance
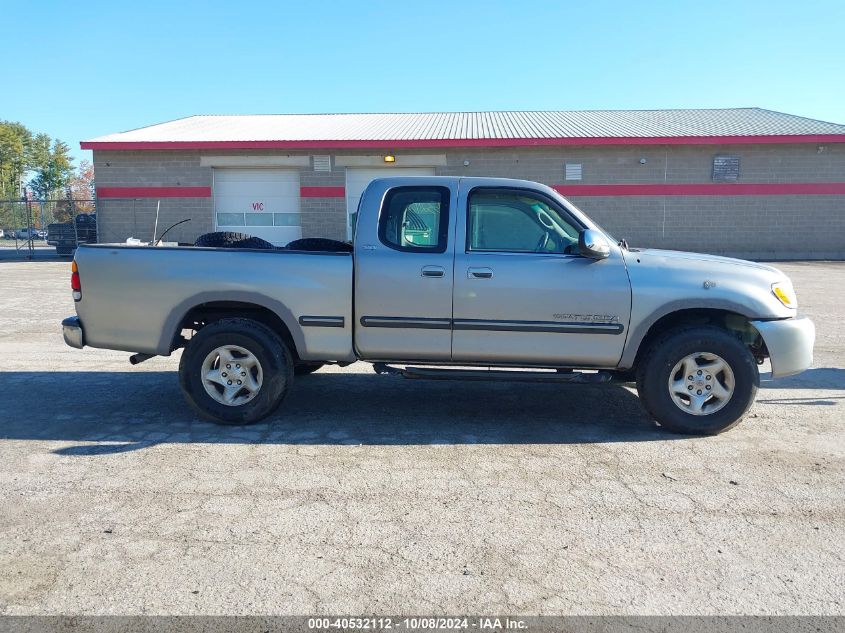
(697, 280)
(714, 260)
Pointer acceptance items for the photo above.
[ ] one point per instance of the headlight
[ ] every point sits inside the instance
(785, 293)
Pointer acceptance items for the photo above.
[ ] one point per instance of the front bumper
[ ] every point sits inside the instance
(790, 344)
(72, 332)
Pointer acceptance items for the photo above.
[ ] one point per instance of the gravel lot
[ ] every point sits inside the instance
(381, 495)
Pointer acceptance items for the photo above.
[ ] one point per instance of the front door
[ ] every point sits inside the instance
(522, 294)
(403, 272)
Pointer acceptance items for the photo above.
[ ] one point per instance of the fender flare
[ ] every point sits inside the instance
(178, 313)
(637, 334)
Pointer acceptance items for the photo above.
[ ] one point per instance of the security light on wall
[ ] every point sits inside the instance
(389, 159)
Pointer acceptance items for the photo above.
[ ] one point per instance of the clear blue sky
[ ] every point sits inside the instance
(80, 70)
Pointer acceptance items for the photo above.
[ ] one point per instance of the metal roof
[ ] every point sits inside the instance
(424, 129)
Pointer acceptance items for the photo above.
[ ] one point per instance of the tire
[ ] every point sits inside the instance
(273, 374)
(65, 252)
(707, 346)
(223, 239)
(303, 369)
(320, 244)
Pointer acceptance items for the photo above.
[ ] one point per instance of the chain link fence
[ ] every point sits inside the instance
(30, 225)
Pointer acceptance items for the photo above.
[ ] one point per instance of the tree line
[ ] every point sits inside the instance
(44, 166)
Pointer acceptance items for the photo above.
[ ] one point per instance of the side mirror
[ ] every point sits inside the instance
(593, 244)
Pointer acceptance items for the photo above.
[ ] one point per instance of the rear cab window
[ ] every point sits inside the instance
(415, 219)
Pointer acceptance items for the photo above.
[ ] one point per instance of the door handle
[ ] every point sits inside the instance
(479, 273)
(432, 271)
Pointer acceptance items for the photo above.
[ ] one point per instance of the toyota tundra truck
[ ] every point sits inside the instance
(449, 278)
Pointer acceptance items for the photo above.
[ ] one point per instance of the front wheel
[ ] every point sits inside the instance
(698, 380)
(235, 371)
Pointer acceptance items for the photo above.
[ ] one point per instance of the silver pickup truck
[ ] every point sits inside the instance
(450, 278)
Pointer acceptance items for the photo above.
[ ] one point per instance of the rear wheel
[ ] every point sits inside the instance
(235, 371)
(698, 380)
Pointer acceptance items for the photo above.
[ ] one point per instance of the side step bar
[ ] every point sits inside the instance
(437, 373)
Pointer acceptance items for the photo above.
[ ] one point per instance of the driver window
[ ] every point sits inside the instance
(517, 221)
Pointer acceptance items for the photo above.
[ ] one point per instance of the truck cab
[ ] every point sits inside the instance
(484, 271)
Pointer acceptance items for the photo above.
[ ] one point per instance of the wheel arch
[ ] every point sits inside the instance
(723, 317)
(206, 308)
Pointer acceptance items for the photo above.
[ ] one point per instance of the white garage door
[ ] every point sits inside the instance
(260, 202)
(357, 180)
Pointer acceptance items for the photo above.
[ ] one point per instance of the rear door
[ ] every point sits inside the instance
(522, 293)
(403, 270)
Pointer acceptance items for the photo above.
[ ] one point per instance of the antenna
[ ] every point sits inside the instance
(172, 226)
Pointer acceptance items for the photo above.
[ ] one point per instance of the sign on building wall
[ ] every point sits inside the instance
(726, 168)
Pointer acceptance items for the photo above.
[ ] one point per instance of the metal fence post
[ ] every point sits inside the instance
(28, 206)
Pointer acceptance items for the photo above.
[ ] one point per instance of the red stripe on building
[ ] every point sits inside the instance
(661, 189)
(706, 189)
(468, 142)
(322, 192)
(153, 192)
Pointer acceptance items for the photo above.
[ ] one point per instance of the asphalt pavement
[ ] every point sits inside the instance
(369, 494)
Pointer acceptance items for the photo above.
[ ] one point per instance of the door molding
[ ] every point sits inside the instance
(559, 327)
(419, 323)
(554, 327)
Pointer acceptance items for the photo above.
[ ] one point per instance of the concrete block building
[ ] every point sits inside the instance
(747, 182)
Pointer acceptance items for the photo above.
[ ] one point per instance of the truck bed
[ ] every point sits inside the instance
(135, 297)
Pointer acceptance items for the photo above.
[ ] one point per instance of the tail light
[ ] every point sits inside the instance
(75, 283)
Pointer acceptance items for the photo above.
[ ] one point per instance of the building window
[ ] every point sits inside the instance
(572, 171)
(258, 219)
(286, 219)
(725, 168)
(230, 219)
